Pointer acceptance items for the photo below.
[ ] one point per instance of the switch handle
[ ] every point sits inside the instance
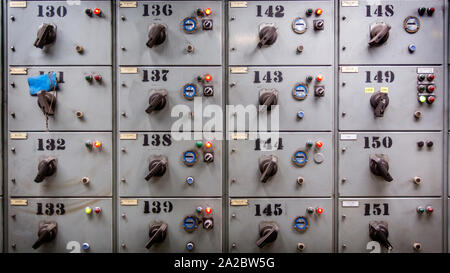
(268, 172)
(47, 232)
(381, 31)
(46, 168)
(157, 235)
(47, 102)
(268, 234)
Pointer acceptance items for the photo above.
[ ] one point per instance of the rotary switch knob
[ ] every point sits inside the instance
(46, 35)
(379, 101)
(267, 36)
(46, 167)
(268, 233)
(157, 167)
(268, 98)
(47, 102)
(379, 34)
(46, 233)
(378, 231)
(157, 233)
(268, 166)
(379, 166)
(156, 35)
(157, 101)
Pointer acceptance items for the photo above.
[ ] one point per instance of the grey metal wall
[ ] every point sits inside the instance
(359, 164)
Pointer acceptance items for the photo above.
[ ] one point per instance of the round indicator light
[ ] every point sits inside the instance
(430, 88)
(309, 143)
(98, 11)
(98, 78)
(189, 91)
(422, 99)
(189, 158)
(420, 210)
(199, 209)
(421, 88)
(412, 48)
(319, 210)
(208, 144)
(88, 144)
(420, 143)
(319, 78)
(430, 11)
(87, 210)
(97, 144)
(422, 11)
(208, 210)
(199, 12)
(319, 144)
(190, 180)
(189, 223)
(300, 114)
(430, 77)
(208, 11)
(430, 209)
(309, 78)
(190, 246)
(88, 12)
(88, 78)
(199, 144)
(86, 246)
(310, 209)
(299, 25)
(300, 223)
(431, 99)
(97, 210)
(309, 11)
(300, 92)
(430, 143)
(300, 158)
(319, 11)
(421, 77)
(208, 78)
(190, 25)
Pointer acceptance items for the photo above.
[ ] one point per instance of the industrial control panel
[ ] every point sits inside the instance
(224, 126)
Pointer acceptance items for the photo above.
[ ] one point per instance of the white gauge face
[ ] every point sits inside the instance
(299, 25)
(411, 24)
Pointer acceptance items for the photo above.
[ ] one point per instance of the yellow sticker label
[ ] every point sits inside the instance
(384, 89)
(128, 70)
(18, 4)
(128, 4)
(349, 69)
(240, 136)
(239, 70)
(128, 136)
(18, 135)
(369, 90)
(239, 202)
(128, 202)
(19, 202)
(238, 4)
(350, 3)
(18, 71)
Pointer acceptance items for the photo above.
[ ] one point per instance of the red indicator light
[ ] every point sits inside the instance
(430, 88)
(97, 144)
(97, 210)
(430, 209)
(98, 78)
(431, 99)
(319, 78)
(98, 12)
(430, 77)
(208, 144)
(319, 144)
(208, 11)
(208, 210)
(319, 11)
(319, 210)
(208, 78)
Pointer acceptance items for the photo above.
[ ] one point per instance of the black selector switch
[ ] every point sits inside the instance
(157, 234)
(267, 36)
(46, 35)
(268, 233)
(379, 34)
(46, 168)
(47, 102)
(156, 35)
(157, 167)
(268, 98)
(379, 166)
(379, 101)
(157, 101)
(46, 233)
(268, 166)
(378, 231)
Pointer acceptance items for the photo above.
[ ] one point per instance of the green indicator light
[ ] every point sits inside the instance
(309, 143)
(88, 78)
(199, 78)
(309, 78)
(310, 210)
(309, 11)
(88, 144)
(421, 77)
(422, 99)
(421, 210)
(199, 144)
(199, 209)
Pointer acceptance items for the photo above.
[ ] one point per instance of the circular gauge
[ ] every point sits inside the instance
(189, 158)
(190, 25)
(300, 91)
(300, 158)
(299, 25)
(411, 24)
(300, 223)
(190, 223)
(189, 91)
